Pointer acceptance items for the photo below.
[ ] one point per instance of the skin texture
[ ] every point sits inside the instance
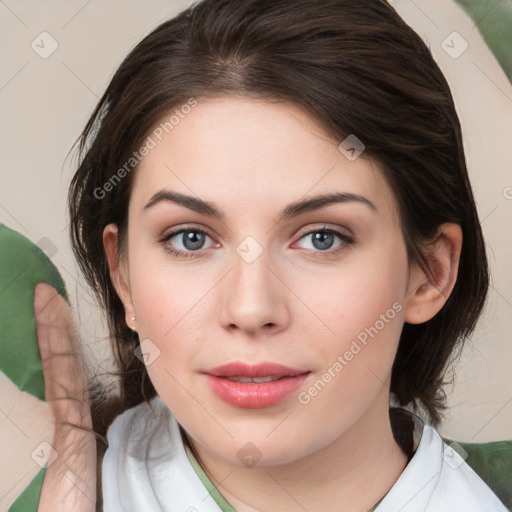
(295, 304)
(292, 305)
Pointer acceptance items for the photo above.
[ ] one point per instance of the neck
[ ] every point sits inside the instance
(356, 470)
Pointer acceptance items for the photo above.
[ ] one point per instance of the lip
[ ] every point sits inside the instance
(252, 395)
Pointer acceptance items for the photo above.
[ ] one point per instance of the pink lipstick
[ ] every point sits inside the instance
(254, 386)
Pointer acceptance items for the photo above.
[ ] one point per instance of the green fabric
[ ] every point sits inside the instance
(494, 21)
(22, 265)
(213, 491)
(492, 462)
(28, 500)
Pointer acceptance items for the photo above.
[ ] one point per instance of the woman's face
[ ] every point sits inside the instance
(277, 278)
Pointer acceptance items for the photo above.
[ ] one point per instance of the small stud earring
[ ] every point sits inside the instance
(133, 319)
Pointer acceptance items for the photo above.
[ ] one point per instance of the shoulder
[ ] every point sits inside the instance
(437, 479)
(459, 484)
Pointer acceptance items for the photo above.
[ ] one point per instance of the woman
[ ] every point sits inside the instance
(273, 207)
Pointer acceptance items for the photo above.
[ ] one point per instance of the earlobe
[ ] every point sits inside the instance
(118, 274)
(427, 294)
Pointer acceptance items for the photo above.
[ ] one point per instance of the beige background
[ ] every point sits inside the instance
(45, 102)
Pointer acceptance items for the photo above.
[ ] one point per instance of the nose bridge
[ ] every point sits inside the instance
(251, 295)
(251, 269)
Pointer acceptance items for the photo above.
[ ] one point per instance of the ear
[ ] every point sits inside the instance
(119, 272)
(426, 293)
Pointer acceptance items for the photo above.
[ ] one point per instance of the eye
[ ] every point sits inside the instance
(187, 241)
(323, 239)
(190, 240)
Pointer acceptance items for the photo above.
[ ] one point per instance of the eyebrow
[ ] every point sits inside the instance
(292, 210)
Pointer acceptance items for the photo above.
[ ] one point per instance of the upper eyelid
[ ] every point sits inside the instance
(326, 227)
(191, 227)
(179, 231)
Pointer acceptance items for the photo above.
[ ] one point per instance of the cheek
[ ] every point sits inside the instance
(363, 319)
(361, 296)
(169, 317)
(167, 296)
(169, 307)
(174, 312)
(365, 315)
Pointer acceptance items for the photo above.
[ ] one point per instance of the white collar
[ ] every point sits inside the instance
(146, 469)
(437, 479)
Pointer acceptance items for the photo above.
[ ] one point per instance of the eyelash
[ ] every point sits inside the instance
(347, 241)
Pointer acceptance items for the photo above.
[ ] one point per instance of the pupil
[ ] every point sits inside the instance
(193, 240)
(322, 240)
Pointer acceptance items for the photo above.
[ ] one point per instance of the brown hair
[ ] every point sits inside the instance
(356, 68)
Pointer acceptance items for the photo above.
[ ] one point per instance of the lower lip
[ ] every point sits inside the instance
(252, 395)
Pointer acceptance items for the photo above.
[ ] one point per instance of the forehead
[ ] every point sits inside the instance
(254, 153)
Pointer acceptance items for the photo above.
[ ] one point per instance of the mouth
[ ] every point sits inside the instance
(270, 378)
(254, 386)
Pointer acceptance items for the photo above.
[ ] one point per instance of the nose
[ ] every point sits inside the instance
(254, 297)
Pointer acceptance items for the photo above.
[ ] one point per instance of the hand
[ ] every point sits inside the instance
(70, 480)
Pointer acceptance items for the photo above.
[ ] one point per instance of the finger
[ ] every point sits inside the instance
(61, 359)
(70, 481)
(54, 321)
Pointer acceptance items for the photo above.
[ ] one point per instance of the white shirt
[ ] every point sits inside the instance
(146, 469)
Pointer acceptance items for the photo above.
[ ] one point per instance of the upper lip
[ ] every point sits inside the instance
(265, 369)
